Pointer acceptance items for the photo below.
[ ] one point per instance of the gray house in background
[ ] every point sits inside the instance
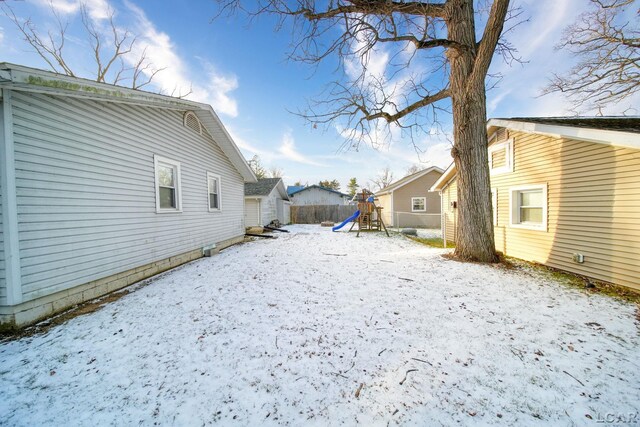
(102, 186)
(409, 202)
(316, 195)
(265, 201)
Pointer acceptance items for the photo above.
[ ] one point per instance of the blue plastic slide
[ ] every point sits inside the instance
(355, 215)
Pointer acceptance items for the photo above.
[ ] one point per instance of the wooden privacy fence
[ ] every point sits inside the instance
(315, 214)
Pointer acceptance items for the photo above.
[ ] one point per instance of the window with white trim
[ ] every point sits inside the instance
(168, 192)
(501, 157)
(213, 185)
(529, 207)
(418, 204)
(494, 205)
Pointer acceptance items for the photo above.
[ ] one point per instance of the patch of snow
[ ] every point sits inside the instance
(286, 331)
(429, 233)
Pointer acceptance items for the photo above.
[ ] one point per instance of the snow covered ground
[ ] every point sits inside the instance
(324, 328)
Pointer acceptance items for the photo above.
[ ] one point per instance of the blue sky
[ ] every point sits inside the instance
(241, 69)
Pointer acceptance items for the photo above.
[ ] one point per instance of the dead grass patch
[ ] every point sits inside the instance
(43, 327)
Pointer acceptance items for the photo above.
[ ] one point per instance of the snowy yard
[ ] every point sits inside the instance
(325, 328)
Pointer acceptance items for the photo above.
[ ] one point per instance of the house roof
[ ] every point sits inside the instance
(622, 124)
(616, 131)
(264, 187)
(26, 79)
(294, 189)
(319, 187)
(406, 180)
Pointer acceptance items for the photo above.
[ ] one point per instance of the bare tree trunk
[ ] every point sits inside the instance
(475, 240)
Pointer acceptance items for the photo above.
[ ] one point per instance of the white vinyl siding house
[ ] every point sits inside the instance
(105, 187)
(316, 195)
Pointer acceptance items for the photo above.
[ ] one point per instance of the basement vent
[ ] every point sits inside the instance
(191, 121)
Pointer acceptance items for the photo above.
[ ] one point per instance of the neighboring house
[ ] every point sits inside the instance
(565, 194)
(409, 202)
(316, 195)
(103, 186)
(265, 201)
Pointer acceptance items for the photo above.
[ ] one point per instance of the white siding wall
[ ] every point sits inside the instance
(269, 208)
(86, 191)
(3, 284)
(315, 196)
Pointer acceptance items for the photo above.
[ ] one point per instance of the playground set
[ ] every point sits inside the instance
(368, 217)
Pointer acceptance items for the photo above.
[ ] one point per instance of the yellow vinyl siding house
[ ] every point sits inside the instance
(565, 193)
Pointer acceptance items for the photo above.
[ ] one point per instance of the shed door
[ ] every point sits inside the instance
(251, 212)
(280, 210)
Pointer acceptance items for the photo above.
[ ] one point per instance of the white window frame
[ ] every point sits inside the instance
(507, 146)
(163, 161)
(514, 207)
(424, 199)
(494, 205)
(211, 176)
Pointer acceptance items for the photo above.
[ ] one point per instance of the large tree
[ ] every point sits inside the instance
(426, 37)
(606, 41)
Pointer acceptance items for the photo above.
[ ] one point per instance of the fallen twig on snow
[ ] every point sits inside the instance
(405, 375)
(359, 390)
(339, 375)
(423, 361)
(574, 378)
(335, 254)
(404, 278)
(277, 343)
(379, 354)
(519, 354)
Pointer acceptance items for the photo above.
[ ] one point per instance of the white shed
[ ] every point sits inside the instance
(265, 201)
(102, 186)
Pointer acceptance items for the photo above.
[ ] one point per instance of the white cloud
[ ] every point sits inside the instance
(97, 9)
(176, 79)
(1, 34)
(288, 151)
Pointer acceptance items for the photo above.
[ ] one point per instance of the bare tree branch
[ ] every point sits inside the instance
(111, 48)
(608, 47)
(378, 96)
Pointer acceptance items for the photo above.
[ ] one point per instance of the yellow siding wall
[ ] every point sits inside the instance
(593, 193)
(450, 194)
(384, 202)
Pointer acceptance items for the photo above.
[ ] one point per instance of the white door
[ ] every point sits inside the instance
(280, 210)
(251, 213)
